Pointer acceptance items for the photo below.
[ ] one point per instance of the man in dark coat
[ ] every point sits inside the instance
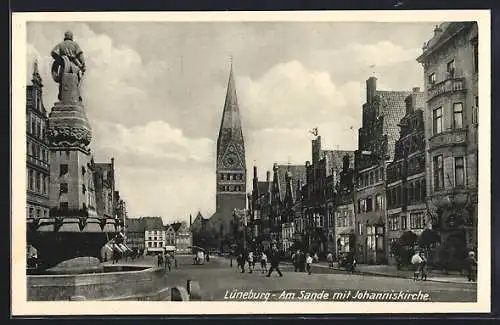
(275, 261)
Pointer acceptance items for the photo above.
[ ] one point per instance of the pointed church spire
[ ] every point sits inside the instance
(36, 79)
(231, 114)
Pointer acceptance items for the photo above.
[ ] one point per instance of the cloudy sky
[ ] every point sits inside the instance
(154, 94)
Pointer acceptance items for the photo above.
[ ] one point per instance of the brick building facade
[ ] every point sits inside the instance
(406, 203)
(382, 112)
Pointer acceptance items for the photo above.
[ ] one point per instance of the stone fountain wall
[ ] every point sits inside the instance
(96, 286)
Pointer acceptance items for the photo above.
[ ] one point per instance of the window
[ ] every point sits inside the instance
(403, 223)
(417, 221)
(476, 56)
(376, 176)
(457, 115)
(83, 171)
(63, 188)
(222, 176)
(379, 201)
(417, 194)
(84, 189)
(30, 178)
(410, 192)
(432, 79)
(393, 222)
(37, 182)
(450, 68)
(459, 171)
(422, 188)
(438, 173)
(44, 184)
(84, 206)
(475, 110)
(371, 178)
(437, 121)
(63, 206)
(63, 169)
(369, 204)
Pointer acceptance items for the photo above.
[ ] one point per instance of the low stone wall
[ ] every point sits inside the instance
(96, 286)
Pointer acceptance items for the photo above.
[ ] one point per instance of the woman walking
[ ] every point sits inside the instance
(263, 262)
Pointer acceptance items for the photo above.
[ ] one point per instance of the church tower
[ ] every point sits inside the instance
(231, 167)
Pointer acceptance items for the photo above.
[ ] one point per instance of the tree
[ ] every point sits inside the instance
(428, 238)
(408, 238)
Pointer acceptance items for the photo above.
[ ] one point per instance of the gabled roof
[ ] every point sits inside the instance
(298, 174)
(335, 159)
(392, 108)
(153, 223)
(135, 225)
(176, 226)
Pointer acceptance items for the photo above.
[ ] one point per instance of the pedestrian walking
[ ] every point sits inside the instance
(263, 262)
(309, 261)
(251, 262)
(423, 267)
(329, 258)
(241, 262)
(160, 260)
(168, 262)
(416, 260)
(471, 266)
(275, 261)
(302, 261)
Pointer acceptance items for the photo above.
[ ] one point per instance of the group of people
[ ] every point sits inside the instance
(272, 256)
(166, 260)
(303, 262)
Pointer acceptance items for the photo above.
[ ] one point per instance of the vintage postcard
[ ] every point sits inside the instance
(264, 162)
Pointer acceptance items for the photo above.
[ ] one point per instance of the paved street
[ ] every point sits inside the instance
(216, 278)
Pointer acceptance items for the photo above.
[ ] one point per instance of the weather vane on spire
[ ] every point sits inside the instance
(314, 132)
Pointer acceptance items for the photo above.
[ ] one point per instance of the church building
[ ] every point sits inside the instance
(231, 166)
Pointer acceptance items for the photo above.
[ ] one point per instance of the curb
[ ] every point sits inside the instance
(385, 275)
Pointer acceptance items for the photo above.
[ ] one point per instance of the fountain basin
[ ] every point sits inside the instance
(113, 281)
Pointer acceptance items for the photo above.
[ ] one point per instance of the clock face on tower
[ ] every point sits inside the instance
(231, 161)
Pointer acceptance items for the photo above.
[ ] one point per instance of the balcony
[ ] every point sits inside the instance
(449, 85)
(450, 138)
(38, 162)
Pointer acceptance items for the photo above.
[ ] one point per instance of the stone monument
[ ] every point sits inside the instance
(74, 228)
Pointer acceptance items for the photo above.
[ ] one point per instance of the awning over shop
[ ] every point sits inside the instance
(109, 226)
(92, 225)
(46, 225)
(71, 224)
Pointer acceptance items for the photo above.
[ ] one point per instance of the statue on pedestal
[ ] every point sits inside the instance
(68, 68)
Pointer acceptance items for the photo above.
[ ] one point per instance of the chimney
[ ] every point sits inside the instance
(308, 163)
(268, 176)
(275, 166)
(254, 171)
(190, 220)
(411, 103)
(316, 149)
(437, 30)
(371, 89)
(416, 89)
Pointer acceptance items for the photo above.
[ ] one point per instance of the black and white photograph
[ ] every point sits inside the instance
(233, 158)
